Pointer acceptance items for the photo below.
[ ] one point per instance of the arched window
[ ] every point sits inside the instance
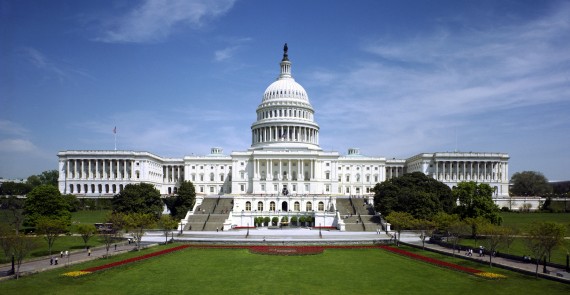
(321, 206)
(114, 188)
(260, 206)
(71, 188)
(248, 206)
(296, 206)
(120, 187)
(100, 188)
(309, 206)
(272, 206)
(92, 188)
(79, 188)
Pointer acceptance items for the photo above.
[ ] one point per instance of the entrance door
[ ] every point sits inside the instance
(284, 207)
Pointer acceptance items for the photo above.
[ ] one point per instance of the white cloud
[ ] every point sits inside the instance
(12, 128)
(17, 145)
(420, 90)
(155, 20)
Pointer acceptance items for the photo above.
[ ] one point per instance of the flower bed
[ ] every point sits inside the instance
(286, 250)
(130, 260)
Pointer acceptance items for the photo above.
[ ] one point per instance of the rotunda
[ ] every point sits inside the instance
(285, 117)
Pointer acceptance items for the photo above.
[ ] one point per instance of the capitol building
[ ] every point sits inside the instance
(284, 172)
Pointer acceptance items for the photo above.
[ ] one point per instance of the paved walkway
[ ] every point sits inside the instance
(77, 256)
(529, 268)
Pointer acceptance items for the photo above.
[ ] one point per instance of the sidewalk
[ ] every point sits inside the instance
(43, 263)
(557, 274)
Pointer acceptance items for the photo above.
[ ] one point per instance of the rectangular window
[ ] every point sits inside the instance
(327, 188)
(263, 187)
(294, 188)
(376, 178)
(327, 175)
(211, 189)
(201, 189)
(242, 187)
(348, 178)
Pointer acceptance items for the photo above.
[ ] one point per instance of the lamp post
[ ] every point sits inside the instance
(320, 234)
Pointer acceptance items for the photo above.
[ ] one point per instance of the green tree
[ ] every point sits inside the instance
(15, 208)
(542, 238)
(426, 228)
(476, 200)
(45, 201)
(11, 188)
(46, 178)
(183, 201)
(167, 223)
(73, 203)
(138, 198)
(495, 236)
(476, 223)
(136, 223)
(445, 221)
(415, 193)
(115, 222)
(21, 247)
(51, 228)
(457, 230)
(530, 183)
(86, 231)
(400, 221)
(6, 235)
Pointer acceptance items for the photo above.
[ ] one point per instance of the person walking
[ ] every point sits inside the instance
(61, 254)
(55, 260)
(89, 252)
(51, 260)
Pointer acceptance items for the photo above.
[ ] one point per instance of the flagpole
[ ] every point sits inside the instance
(115, 134)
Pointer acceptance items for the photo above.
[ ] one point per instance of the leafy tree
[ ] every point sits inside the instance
(530, 183)
(445, 221)
(137, 223)
(495, 236)
(111, 231)
(73, 203)
(510, 235)
(267, 219)
(476, 200)
(46, 178)
(457, 230)
(400, 221)
(86, 231)
(294, 220)
(184, 200)
(415, 193)
(6, 236)
(45, 201)
(542, 238)
(426, 228)
(138, 198)
(274, 220)
(476, 223)
(51, 228)
(11, 188)
(166, 223)
(21, 247)
(15, 207)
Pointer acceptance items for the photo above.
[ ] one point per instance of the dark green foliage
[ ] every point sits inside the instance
(414, 193)
(47, 177)
(530, 183)
(138, 198)
(180, 204)
(14, 188)
(45, 200)
(274, 220)
(266, 221)
(475, 200)
(73, 202)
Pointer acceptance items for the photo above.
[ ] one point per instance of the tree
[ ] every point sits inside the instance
(86, 231)
(530, 183)
(476, 223)
(45, 201)
(6, 235)
(180, 204)
(542, 238)
(415, 193)
(137, 223)
(21, 247)
(476, 200)
(457, 229)
(51, 228)
(426, 227)
(138, 198)
(73, 203)
(11, 188)
(494, 237)
(16, 207)
(166, 223)
(111, 229)
(46, 178)
(400, 221)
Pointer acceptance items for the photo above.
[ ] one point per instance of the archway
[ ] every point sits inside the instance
(284, 207)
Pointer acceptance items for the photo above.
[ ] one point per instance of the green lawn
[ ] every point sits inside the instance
(523, 220)
(62, 243)
(93, 216)
(338, 271)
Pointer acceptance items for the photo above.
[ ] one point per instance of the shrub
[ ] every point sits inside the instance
(274, 221)
(505, 209)
(266, 221)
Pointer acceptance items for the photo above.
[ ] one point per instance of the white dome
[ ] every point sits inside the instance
(285, 88)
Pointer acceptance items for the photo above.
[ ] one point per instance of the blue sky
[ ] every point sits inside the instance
(394, 78)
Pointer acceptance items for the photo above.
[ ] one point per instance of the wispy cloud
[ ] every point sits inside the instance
(154, 20)
(229, 51)
(12, 128)
(420, 90)
(40, 61)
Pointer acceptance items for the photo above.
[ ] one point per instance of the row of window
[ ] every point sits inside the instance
(284, 113)
(296, 206)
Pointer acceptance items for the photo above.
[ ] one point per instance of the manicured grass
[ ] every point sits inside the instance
(523, 220)
(92, 216)
(237, 271)
(62, 243)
